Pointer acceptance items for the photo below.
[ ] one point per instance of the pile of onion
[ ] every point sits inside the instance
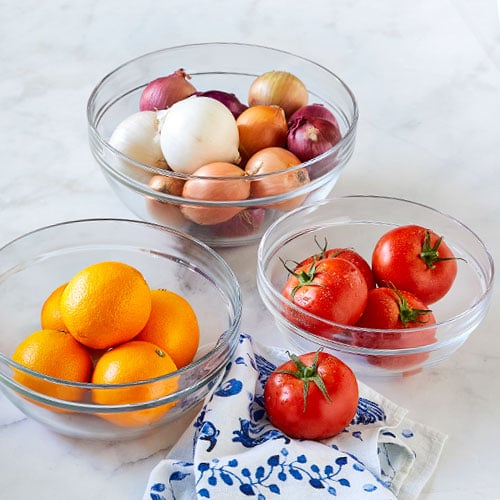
(222, 149)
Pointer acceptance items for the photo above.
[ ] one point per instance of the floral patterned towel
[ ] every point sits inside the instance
(231, 450)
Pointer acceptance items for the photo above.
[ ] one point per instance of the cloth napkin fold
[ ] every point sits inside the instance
(231, 450)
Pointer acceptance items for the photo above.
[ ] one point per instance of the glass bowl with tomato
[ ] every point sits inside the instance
(137, 398)
(388, 285)
(287, 134)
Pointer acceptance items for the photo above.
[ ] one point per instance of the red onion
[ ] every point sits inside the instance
(229, 100)
(165, 91)
(313, 111)
(242, 224)
(310, 137)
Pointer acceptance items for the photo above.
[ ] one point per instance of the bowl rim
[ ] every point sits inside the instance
(225, 339)
(266, 288)
(346, 140)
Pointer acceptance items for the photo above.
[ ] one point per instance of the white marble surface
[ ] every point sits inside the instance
(427, 77)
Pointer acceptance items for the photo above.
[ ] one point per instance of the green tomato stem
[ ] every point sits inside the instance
(307, 374)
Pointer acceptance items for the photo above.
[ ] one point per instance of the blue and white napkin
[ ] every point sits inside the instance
(231, 450)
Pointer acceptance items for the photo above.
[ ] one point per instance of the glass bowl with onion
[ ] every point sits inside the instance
(35, 264)
(362, 332)
(220, 139)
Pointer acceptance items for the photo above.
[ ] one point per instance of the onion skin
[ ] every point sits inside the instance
(225, 182)
(277, 160)
(261, 127)
(229, 100)
(162, 92)
(313, 111)
(165, 213)
(167, 185)
(308, 138)
(271, 159)
(280, 88)
(197, 131)
(138, 137)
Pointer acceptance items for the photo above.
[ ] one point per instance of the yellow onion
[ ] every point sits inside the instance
(163, 212)
(280, 88)
(224, 182)
(279, 162)
(261, 127)
(168, 185)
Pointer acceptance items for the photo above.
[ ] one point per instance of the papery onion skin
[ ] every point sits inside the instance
(309, 138)
(228, 99)
(167, 185)
(314, 110)
(260, 127)
(224, 182)
(138, 137)
(286, 178)
(197, 131)
(162, 92)
(164, 212)
(271, 159)
(281, 88)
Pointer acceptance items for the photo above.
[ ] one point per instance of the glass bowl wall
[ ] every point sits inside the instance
(222, 66)
(35, 264)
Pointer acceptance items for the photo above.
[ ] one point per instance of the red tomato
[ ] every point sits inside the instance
(415, 259)
(312, 396)
(349, 255)
(392, 309)
(333, 289)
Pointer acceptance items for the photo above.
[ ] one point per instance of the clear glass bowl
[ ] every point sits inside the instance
(357, 222)
(36, 263)
(222, 66)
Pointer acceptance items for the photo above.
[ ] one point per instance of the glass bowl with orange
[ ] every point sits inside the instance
(113, 328)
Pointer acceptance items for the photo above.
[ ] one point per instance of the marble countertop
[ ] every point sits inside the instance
(427, 78)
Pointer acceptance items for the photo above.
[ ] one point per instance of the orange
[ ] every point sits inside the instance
(173, 326)
(106, 304)
(57, 354)
(50, 316)
(132, 362)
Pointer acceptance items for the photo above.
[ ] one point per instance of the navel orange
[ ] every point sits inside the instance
(172, 326)
(106, 304)
(130, 362)
(50, 315)
(57, 354)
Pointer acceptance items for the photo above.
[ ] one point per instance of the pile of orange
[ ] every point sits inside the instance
(106, 326)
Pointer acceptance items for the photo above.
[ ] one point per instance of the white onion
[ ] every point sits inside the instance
(197, 131)
(138, 137)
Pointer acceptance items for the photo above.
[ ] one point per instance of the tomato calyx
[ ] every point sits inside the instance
(408, 314)
(430, 253)
(304, 277)
(307, 374)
